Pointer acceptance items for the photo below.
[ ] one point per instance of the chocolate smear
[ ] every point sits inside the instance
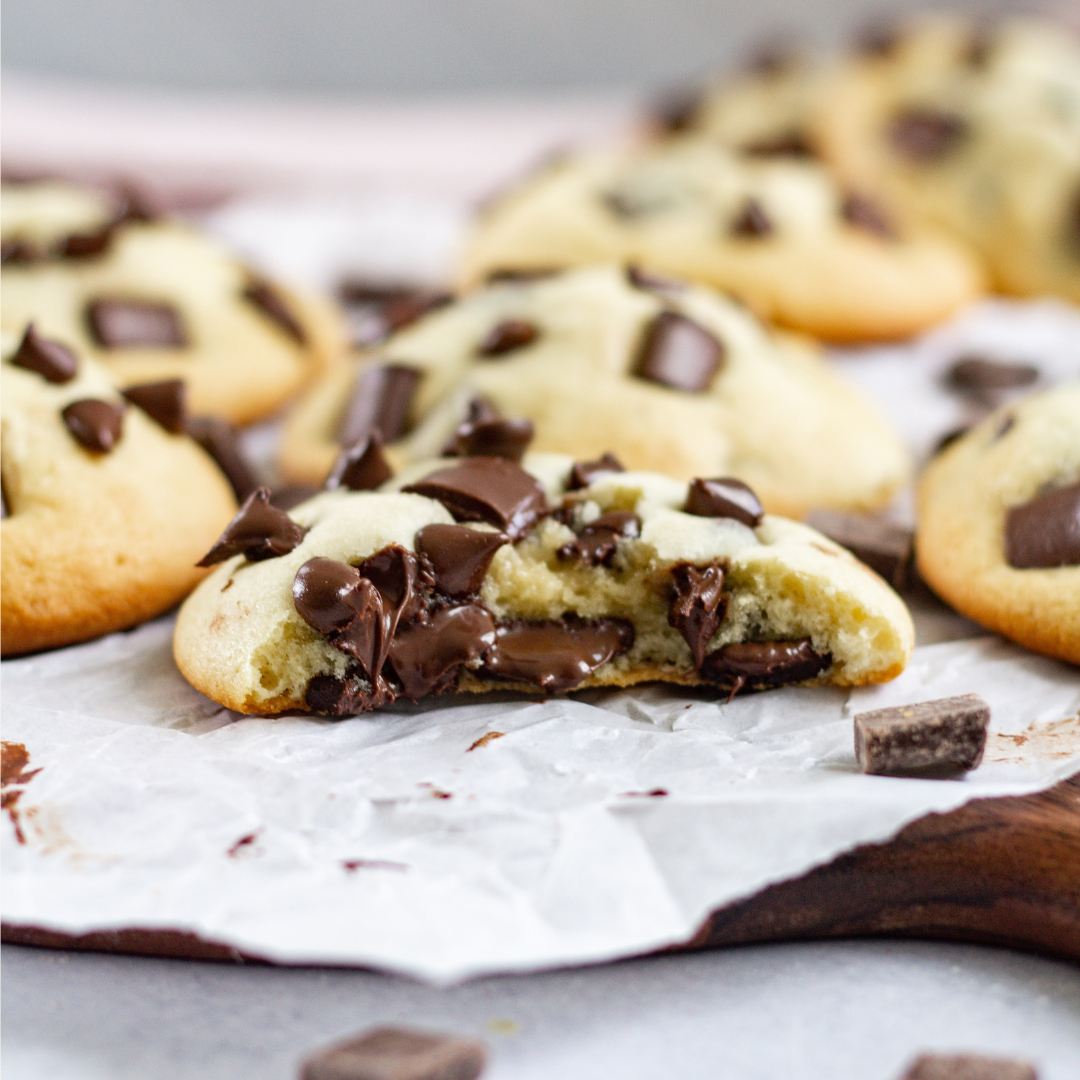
(763, 663)
(398, 576)
(968, 1067)
(724, 497)
(458, 556)
(392, 1053)
(49, 359)
(164, 402)
(751, 222)
(426, 655)
(1045, 532)
(17, 252)
(864, 213)
(219, 439)
(86, 245)
(943, 736)
(977, 375)
(262, 295)
(556, 656)
(924, 135)
(117, 323)
(258, 531)
(886, 548)
(380, 401)
(595, 545)
(508, 336)
(486, 489)
(698, 605)
(679, 353)
(95, 425)
(583, 472)
(497, 437)
(360, 467)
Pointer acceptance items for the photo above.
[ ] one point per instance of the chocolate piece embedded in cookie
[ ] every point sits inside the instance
(96, 425)
(597, 541)
(679, 353)
(360, 467)
(122, 323)
(52, 361)
(496, 436)
(86, 245)
(724, 497)
(886, 548)
(924, 135)
(751, 222)
(1045, 532)
(507, 337)
(583, 472)
(758, 664)
(390, 1053)
(947, 735)
(698, 605)
(968, 1067)
(262, 295)
(164, 402)
(380, 401)
(459, 556)
(427, 654)
(259, 531)
(864, 213)
(218, 438)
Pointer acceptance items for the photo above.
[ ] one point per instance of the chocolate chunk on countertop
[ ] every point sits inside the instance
(938, 737)
(258, 531)
(968, 1067)
(52, 361)
(391, 1053)
(884, 547)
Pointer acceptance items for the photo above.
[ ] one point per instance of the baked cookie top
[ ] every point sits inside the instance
(667, 376)
(478, 573)
(156, 299)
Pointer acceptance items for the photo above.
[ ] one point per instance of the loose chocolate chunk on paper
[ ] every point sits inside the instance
(647, 281)
(162, 401)
(968, 1067)
(427, 654)
(1045, 532)
(487, 489)
(360, 467)
(583, 472)
(763, 663)
(285, 498)
(390, 1053)
(459, 557)
(884, 547)
(262, 295)
(697, 605)
(121, 323)
(936, 737)
(96, 425)
(924, 135)
(219, 439)
(86, 245)
(679, 353)
(793, 143)
(978, 374)
(499, 437)
(864, 213)
(508, 336)
(17, 252)
(724, 497)
(595, 545)
(380, 401)
(751, 222)
(556, 656)
(49, 359)
(259, 531)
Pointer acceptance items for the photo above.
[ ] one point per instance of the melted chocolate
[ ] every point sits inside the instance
(397, 574)
(679, 353)
(163, 402)
(507, 337)
(49, 359)
(763, 663)
(360, 467)
(459, 557)
(380, 401)
(751, 222)
(597, 541)
(426, 656)
(583, 472)
(724, 497)
(1045, 532)
(864, 213)
(218, 438)
(698, 605)
(259, 531)
(95, 425)
(118, 323)
(262, 295)
(923, 135)
(495, 437)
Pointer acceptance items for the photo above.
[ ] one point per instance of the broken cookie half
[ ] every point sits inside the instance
(477, 573)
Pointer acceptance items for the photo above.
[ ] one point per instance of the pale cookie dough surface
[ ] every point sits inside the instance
(964, 498)
(237, 362)
(682, 200)
(95, 542)
(773, 415)
(240, 640)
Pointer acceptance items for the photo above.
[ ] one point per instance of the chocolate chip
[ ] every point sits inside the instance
(266, 298)
(427, 655)
(763, 663)
(486, 489)
(501, 437)
(459, 557)
(724, 497)
(507, 336)
(17, 252)
(380, 401)
(86, 245)
(117, 323)
(398, 1054)
(968, 1067)
(521, 275)
(977, 374)
(697, 605)
(1045, 532)
(360, 467)
(864, 213)
(218, 438)
(162, 401)
(679, 353)
(583, 472)
(924, 135)
(285, 498)
(647, 281)
(96, 425)
(679, 111)
(751, 222)
(884, 547)
(946, 735)
(49, 359)
(556, 656)
(595, 545)
(789, 144)
(259, 531)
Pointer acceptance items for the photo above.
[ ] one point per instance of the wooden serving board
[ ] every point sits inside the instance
(1004, 871)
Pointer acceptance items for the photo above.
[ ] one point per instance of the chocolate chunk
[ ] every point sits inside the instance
(583, 472)
(697, 605)
(4, 512)
(507, 336)
(285, 498)
(1045, 532)
(398, 1054)
(459, 557)
(763, 663)
(724, 497)
(49, 359)
(596, 543)
(521, 275)
(647, 281)
(396, 573)
(96, 425)
(426, 655)
(17, 252)
(751, 222)
(924, 135)
(789, 144)
(487, 489)
(86, 245)
(884, 547)
(380, 401)
(360, 467)
(353, 694)
(501, 437)
(162, 401)
(968, 1067)
(864, 213)
(677, 352)
(947, 735)
(117, 323)
(556, 656)
(977, 374)
(266, 298)
(218, 438)
(385, 308)
(259, 531)
(679, 111)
